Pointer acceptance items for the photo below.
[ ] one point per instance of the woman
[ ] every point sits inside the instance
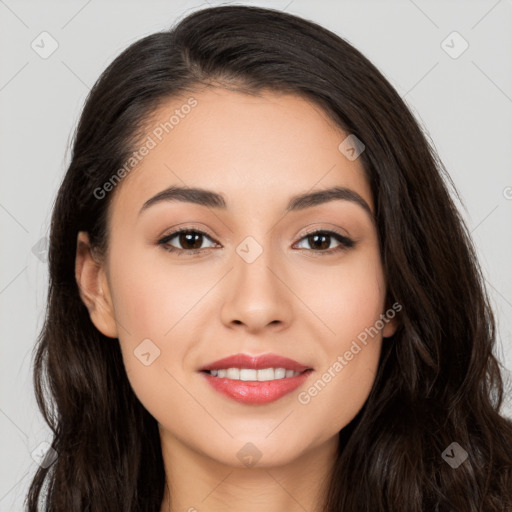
(268, 369)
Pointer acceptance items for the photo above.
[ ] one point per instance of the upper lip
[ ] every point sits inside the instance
(256, 363)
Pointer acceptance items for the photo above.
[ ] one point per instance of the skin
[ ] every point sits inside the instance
(257, 152)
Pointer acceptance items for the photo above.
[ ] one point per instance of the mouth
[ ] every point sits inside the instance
(253, 375)
(255, 379)
(259, 362)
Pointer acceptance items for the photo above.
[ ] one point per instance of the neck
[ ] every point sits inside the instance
(197, 482)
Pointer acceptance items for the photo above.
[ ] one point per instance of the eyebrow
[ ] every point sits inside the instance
(299, 202)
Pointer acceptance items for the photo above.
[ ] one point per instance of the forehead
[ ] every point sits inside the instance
(253, 149)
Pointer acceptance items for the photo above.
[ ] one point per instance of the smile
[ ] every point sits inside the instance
(246, 386)
(250, 374)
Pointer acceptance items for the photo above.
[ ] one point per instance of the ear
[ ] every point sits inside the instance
(393, 321)
(390, 328)
(93, 287)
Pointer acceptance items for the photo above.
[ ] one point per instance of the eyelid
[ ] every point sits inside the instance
(346, 242)
(177, 231)
(324, 230)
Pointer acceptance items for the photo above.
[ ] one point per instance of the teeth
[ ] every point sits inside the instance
(265, 374)
(247, 374)
(280, 373)
(233, 373)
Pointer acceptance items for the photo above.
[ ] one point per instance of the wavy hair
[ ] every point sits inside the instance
(438, 380)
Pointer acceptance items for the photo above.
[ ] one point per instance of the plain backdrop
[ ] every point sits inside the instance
(461, 96)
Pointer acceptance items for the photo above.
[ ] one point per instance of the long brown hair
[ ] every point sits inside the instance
(438, 381)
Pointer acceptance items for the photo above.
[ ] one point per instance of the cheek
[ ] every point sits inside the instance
(158, 305)
(350, 306)
(152, 294)
(346, 299)
(340, 388)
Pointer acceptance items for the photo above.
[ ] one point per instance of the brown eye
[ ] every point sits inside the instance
(320, 241)
(189, 241)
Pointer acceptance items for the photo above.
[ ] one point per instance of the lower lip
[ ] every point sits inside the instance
(255, 392)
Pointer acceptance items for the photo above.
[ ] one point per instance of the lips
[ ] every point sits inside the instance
(256, 363)
(255, 392)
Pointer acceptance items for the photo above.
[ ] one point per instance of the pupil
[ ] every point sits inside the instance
(316, 237)
(185, 239)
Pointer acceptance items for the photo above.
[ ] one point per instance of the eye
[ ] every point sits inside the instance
(190, 239)
(317, 239)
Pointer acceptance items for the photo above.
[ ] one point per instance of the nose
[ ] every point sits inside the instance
(257, 294)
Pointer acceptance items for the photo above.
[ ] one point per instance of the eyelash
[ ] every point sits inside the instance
(345, 242)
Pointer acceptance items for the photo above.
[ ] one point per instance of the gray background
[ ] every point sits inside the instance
(463, 103)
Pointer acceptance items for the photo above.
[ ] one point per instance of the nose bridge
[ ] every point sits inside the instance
(253, 263)
(258, 296)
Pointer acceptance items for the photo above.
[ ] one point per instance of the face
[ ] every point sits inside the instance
(254, 274)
